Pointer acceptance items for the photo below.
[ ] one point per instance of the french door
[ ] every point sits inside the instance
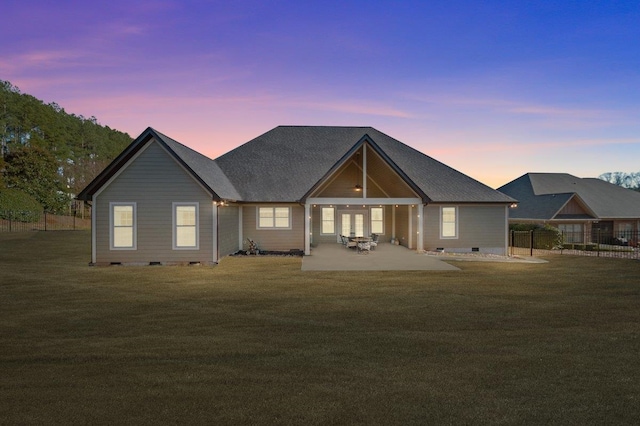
(353, 224)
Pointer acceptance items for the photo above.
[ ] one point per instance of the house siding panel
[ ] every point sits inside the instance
(275, 239)
(402, 225)
(228, 229)
(154, 181)
(481, 226)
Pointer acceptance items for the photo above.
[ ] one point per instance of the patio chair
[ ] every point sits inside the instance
(347, 242)
(351, 244)
(364, 247)
(374, 241)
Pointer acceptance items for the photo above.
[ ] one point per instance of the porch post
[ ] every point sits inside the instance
(393, 221)
(420, 227)
(410, 236)
(307, 229)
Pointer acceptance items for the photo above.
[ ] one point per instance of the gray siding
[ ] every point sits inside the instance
(402, 225)
(274, 239)
(228, 228)
(154, 181)
(481, 226)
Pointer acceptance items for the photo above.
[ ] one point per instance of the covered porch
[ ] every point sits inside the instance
(364, 194)
(385, 257)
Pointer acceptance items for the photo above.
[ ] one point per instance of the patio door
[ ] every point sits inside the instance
(352, 224)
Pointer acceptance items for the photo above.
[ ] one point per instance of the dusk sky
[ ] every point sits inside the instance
(494, 89)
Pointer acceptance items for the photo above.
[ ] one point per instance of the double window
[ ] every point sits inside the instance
(185, 226)
(122, 225)
(274, 218)
(449, 222)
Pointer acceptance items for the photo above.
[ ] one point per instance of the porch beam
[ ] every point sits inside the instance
(366, 201)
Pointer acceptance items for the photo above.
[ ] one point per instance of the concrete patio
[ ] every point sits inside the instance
(386, 257)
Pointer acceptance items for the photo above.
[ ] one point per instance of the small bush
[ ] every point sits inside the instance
(19, 206)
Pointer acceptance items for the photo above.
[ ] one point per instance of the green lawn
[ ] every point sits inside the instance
(257, 341)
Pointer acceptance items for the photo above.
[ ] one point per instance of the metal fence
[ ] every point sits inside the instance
(14, 221)
(598, 244)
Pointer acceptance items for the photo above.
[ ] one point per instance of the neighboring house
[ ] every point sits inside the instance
(585, 209)
(294, 187)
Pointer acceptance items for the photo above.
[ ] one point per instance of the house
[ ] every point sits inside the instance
(293, 187)
(585, 209)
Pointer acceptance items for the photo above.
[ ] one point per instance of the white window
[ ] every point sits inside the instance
(328, 220)
(449, 222)
(377, 220)
(274, 218)
(122, 221)
(185, 226)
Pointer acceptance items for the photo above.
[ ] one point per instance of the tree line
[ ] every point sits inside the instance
(47, 155)
(626, 180)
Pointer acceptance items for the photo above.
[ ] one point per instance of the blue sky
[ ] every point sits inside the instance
(494, 89)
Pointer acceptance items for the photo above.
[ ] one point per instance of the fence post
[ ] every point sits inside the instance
(598, 234)
(531, 243)
(511, 235)
(45, 220)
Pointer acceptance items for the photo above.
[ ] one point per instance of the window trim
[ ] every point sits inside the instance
(273, 228)
(134, 224)
(456, 223)
(371, 220)
(322, 221)
(174, 227)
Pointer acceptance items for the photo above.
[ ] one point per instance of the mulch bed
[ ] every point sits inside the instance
(292, 253)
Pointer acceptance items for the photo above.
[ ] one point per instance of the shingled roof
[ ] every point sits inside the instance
(285, 163)
(202, 168)
(542, 196)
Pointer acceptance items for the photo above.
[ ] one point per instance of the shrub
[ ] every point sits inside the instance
(19, 206)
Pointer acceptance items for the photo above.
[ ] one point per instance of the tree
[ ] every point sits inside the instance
(81, 146)
(626, 180)
(34, 171)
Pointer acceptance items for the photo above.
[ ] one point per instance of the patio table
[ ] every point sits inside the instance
(362, 245)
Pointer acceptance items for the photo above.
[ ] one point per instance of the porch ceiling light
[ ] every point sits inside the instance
(358, 187)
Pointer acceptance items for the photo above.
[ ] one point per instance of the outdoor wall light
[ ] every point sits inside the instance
(358, 187)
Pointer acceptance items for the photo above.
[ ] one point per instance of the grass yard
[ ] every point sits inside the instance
(257, 341)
